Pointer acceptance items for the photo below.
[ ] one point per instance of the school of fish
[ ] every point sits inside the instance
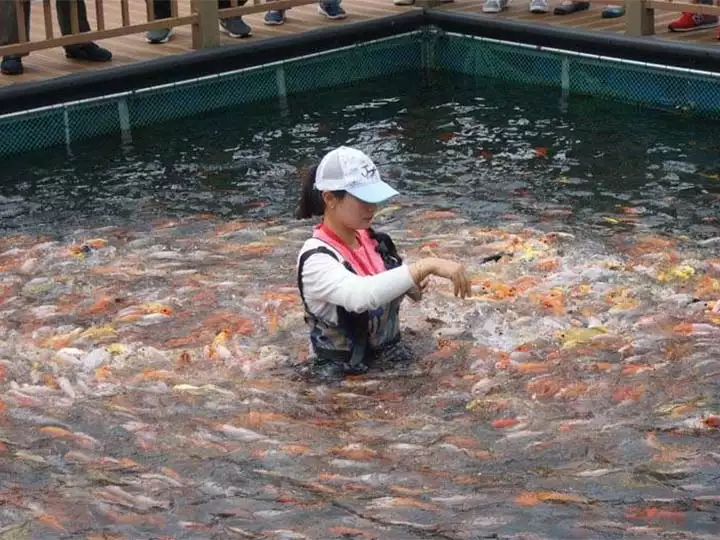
(153, 382)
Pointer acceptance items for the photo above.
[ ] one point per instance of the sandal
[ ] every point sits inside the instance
(567, 9)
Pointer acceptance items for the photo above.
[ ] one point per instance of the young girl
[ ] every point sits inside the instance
(351, 278)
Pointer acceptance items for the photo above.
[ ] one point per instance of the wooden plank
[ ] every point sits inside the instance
(74, 17)
(47, 19)
(20, 20)
(640, 19)
(125, 12)
(205, 31)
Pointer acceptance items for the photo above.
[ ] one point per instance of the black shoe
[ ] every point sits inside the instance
(90, 52)
(11, 65)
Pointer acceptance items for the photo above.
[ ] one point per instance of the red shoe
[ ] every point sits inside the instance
(687, 22)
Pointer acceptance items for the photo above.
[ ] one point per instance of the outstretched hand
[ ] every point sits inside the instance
(444, 268)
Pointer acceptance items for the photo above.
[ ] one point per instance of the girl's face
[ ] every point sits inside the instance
(349, 211)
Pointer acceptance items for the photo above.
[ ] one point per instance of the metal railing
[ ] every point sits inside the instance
(203, 17)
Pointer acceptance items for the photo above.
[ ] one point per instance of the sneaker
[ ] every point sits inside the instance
(235, 27)
(494, 6)
(160, 35)
(687, 22)
(403, 2)
(90, 52)
(539, 6)
(332, 11)
(275, 18)
(11, 65)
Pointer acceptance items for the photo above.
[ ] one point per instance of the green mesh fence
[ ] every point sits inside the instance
(473, 56)
(655, 86)
(426, 49)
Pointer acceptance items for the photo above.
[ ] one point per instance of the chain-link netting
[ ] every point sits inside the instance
(40, 129)
(481, 58)
(655, 86)
(429, 48)
(208, 94)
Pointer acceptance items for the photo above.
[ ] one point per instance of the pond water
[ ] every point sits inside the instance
(152, 345)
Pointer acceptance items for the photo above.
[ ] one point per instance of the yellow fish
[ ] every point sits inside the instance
(572, 337)
(99, 332)
(620, 300)
(115, 348)
(683, 272)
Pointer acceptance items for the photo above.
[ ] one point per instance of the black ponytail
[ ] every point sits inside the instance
(311, 201)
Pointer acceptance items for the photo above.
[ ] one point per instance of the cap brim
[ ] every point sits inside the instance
(373, 193)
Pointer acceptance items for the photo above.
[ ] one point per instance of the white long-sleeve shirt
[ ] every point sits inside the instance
(328, 284)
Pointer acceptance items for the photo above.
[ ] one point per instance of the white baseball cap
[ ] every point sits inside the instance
(351, 170)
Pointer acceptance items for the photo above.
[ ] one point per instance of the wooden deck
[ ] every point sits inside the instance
(129, 49)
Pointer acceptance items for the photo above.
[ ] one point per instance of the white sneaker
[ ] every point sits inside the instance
(539, 6)
(494, 6)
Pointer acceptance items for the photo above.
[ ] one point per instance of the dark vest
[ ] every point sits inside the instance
(356, 336)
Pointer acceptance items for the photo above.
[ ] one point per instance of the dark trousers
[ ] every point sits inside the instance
(9, 33)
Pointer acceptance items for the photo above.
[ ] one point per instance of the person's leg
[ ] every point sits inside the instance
(82, 51)
(234, 27)
(64, 16)
(12, 65)
(162, 9)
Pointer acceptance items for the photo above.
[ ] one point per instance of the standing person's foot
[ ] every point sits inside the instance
(539, 6)
(275, 18)
(11, 65)
(235, 27)
(494, 6)
(571, 7)
(331, 10)
(159, 35)
(687, 22)
(90, 52)
(613, 12)
(403, 2)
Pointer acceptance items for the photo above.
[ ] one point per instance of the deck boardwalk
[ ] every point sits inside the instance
(52, 63)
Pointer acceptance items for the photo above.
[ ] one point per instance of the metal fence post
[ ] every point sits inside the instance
(640, 18)
(205, 33)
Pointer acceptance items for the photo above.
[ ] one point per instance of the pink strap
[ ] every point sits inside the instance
(366, 261)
